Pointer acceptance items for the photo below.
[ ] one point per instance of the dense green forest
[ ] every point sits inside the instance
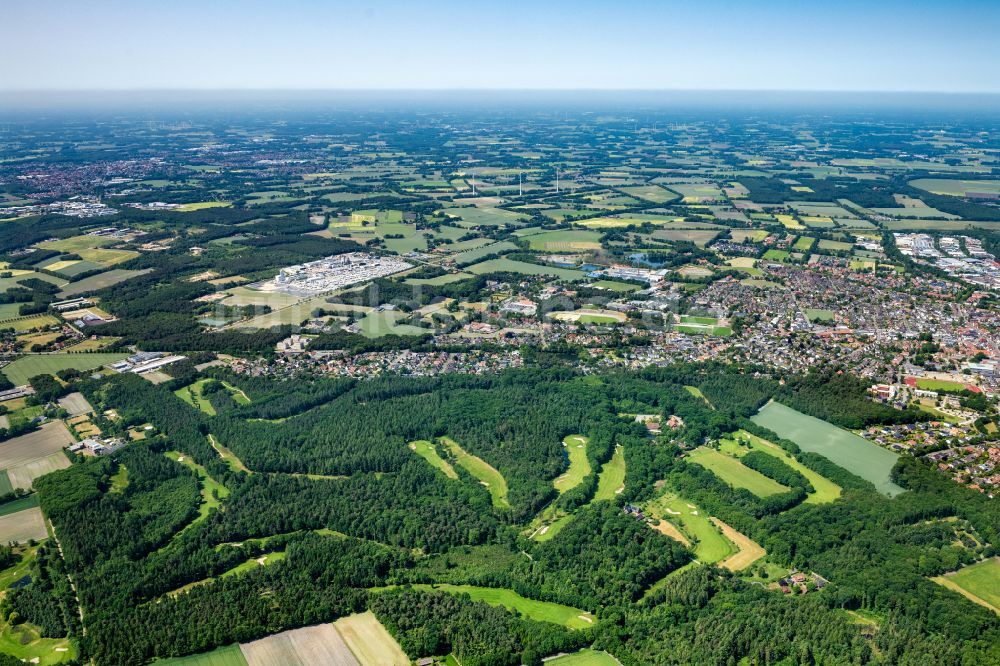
(326, 476)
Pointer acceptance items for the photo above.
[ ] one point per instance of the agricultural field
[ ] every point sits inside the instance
(570, 240)
(101, 281)
(369, 641)
(579, 465)
(469, 256)
(485, 217)
(29, 366)
(804, 243)
(378, 324)
(513, 266)
(31, 455)
(853, 453)
(30, 322)
(652, 193)
(447, 278)
(836, 246)
(543, 611)
(978, 582)
(320, 644)
(957, 188)
(482, 470)
(590, 316)
(21, 526)
(777, 255)
(733, 472)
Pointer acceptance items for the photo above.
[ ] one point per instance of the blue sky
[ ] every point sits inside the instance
(880, 45)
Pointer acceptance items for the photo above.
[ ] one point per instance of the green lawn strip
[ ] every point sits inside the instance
(428, 452)
(696, 392)
(709, 545)
(611, 480)
(825, 490)
(543, 611)
(585, 657)
(212, 492)
(482, 470)
(579, 466)
(228, 456)
(231, 655)
(192, 395)
(19, 504)
(735, 473)
(978, 582)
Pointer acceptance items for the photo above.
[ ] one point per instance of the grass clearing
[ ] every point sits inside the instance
(482, 470)
(611, 481)
(980, 583)
(228, 456)
(735, 473)
(543, 611)
(231, 655)
(579, 465)
(844, 448)
(428, 452)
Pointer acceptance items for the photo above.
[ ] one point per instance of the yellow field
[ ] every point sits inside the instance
(749, 550)
(371, 644)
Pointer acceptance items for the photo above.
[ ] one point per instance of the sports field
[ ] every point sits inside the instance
(735, 473)
(482, 470)
(26, 367)
(543, 611)
(825, 490)
(978, 582)
(579, 466)
(939, 385)
(428, 452)
(853, 453)
(709, 544)
(611, 481)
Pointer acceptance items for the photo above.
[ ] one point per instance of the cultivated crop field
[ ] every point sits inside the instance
(20, 526)
(369, 641)
(853, 453)
(230, 655)
(569, 240)
(523, 267)
(28, 366)
(49, 439)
